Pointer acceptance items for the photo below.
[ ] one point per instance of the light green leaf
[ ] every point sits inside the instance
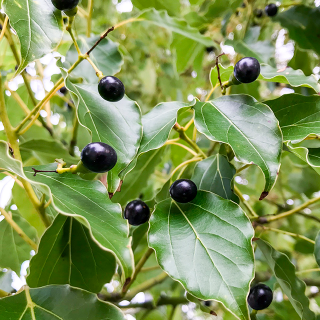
(14, 250)
(173, 7)
(48, 150)
(158, 123)
(86, 200)
(291, 285)
(303, 25)
(57, 302)
(106, 57)
(218, 8)
(317, 249)
(298, 115)
(38, 25)
(215, 174)
(213, 236)
(248, 126)
(162, 19)
(295, 78)
(68, 255)
(115, 123)
(137, 179)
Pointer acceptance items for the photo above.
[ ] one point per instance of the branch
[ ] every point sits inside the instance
(101, 38)
(163, 301)
(17, 229)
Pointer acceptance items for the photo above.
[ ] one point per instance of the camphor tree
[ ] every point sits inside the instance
(158, 193)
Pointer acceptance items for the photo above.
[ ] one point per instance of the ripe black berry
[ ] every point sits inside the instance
(247, 70)
(137, 212)
(260, 297)
(207, 303)
(271, 9)
(183, 190)
(63, 90)
(65, 4)
(111, 89)
(98, 157)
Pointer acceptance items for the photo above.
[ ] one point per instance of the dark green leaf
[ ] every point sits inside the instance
(106, 57)
(291, 285)
(68, 255)
(38, 25)
(14, 250)
(215, 174)
(213, 236)
(57, 302)
(173, 7)
(248, 126)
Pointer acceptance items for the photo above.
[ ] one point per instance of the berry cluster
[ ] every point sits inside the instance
(270, 10)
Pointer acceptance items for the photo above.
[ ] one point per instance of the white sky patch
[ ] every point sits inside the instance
(124, 6)
(6, 185)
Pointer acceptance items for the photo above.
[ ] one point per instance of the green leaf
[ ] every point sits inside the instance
(173, 7)
(57, 302)
(218, 8)
(13, 249)
(162, 19)
(248, 126)
(317, 249)
(68, 255)
(106, 57)
(291, 285)
(38, 25)
(117, 124)
(213, 236)
(225, 74)
(48, 150)
(215, 174)
(137, 179)
(303, 25)
(86, 200)
(158, 123)
(304, 60)
(298, 115)
(295, 78)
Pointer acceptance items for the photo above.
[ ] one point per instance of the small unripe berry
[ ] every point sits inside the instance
(65, 4)
(98, 157)
(260, 297)
(111, 89)
(183, 190)
(271, 9)
(247, 70)
(137, 212)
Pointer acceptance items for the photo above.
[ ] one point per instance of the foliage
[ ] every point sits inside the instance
(252, 149)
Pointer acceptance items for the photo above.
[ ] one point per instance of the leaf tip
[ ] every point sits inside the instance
(263, 195)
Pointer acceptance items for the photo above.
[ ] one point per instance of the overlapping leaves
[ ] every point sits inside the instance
(214, 236)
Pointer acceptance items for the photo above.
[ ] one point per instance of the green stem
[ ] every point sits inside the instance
(69, 29)
(244, 201)
(253, 315)
(73, 141)
(89, 18)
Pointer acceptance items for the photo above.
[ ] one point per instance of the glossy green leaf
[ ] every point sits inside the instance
(137, 179)
(248, 126)
(117, 124)
(317, 249)
(213, 236)
(38, 25)
(295, 78)
(68, 255)
(13, 249)
(106, 57)
(57, 302)
(215, 174)
(303, 26)
(84, 199)
(299, 116)
(162, 19)
(173, 7)
(158, 123)
(48, 150)
(225, 74)
(291, 285)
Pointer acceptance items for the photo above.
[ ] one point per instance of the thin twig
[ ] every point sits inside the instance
(218, 69)
(101, 38)
(4, 27)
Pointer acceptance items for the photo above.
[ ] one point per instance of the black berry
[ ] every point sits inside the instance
(258, 13)
(111, 89)
(137, 212)
(271, 9)
(98, 157)
(207, 303)
(63, 90)
(183, 190)
(65, 4)
(260, 297)
(247, 70)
